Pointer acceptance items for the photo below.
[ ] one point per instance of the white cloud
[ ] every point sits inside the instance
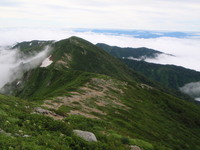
(6, 63)
(197, 99)
(192, 89)
(12, 65)
(127, 14)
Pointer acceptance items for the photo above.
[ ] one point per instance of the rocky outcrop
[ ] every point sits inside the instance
(88, 136)
(49, 113)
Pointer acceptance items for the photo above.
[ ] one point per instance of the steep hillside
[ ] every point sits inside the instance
(133, 113)
(168, 75)
(41, 83)
(138, 53)
(87, 89)
(78, 54)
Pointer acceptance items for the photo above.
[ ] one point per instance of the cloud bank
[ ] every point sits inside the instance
(192, 89)
(126, 14)
(13, 65)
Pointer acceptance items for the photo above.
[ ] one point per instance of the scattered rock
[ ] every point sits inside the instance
(26, 135)
(144, 86)
(88, 136)
(134, 147)
(27, 107)
(3, 132)
(48, 113)
(41, 110)
(20, 131)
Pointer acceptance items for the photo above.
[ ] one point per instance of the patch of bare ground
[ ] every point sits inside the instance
(65, 60)
(77, 112)
(92, 95)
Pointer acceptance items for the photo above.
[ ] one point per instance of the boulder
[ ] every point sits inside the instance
(41, 110)
(49, 113)
(88, 136)
(26, 135)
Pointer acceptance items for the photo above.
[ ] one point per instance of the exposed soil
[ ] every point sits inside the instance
(92, 95)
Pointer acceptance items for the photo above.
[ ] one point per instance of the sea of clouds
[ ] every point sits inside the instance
(186, 50)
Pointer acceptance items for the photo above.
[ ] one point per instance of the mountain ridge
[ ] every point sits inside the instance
(170, 76)
(120, 106)
(129, 52)
(157, 71)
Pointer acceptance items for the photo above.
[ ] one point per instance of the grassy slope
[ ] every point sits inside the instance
(163, 118)
(43, 83)
(44, 133)
(152, 120)
(88, 57)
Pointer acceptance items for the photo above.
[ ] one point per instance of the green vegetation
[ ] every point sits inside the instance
(92, 91)
(78, 54)
(42, 83)
(29, 48)
(129, 52)
(25, 130)
(168, 75)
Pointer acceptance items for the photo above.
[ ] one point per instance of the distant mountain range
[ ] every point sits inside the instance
(168, 75)
(131, 53)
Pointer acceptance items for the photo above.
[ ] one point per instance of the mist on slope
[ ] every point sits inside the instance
(192, 89)
(13, 63)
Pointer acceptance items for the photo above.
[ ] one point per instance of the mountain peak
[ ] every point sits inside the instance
(79, 54)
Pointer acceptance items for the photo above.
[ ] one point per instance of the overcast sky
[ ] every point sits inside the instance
(179, 15)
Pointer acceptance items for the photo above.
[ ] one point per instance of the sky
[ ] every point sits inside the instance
(171, 15)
